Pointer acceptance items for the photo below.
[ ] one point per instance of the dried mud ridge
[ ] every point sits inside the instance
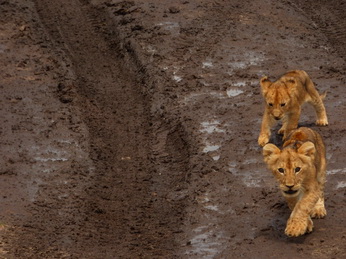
(129, 128)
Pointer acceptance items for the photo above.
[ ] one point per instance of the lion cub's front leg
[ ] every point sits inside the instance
(263, 138)
(317, 101)
(298, 226)
(319, 211)
(267, 123)
(282, 130)
(289, 123)
(322, 119)
(300, 221)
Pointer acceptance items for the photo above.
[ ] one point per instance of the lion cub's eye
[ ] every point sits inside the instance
(297, 169)
(281, 170)
(283, 104)
(270, 104)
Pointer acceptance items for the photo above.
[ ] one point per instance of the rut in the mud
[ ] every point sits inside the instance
(119, 211)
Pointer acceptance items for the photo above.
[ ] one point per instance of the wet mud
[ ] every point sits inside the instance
(129, 128)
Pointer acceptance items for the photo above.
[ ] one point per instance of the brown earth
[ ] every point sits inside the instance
(129, 128)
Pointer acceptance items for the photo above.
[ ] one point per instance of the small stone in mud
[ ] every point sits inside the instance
(66, 93)
(99, 211)
(66, 99)
(23, 27)
(174, 9)
(61, 86)
(137, 28)
(126, 20)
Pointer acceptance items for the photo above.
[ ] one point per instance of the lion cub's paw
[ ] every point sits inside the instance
(322, 122)
(310, 226)
(297, 227)
(263, 139)
(281, 131)
(318, 212)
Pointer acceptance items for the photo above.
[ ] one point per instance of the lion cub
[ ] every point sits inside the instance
(300, 168)
(284, 99)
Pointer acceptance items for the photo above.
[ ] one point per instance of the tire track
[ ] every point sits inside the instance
(330, 17)
(122, 212)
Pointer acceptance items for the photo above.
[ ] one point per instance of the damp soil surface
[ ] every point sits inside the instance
(129, 128)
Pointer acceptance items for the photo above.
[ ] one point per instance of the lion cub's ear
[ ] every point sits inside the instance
(307, 149)
(265, 83)
(269, 150)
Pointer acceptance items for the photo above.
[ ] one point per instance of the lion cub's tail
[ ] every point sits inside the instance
(323, 95)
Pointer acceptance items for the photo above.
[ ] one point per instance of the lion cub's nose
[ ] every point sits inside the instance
(289, 186)
(277, 118)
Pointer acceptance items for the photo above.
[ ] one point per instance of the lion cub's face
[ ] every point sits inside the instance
(290, 166)
(277, 97)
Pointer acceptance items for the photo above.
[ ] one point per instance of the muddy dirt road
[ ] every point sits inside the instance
(129, 128)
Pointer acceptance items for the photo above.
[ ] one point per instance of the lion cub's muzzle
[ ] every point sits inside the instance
(289, 191)
(277, 115)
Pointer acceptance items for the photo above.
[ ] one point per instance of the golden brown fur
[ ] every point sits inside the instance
(284, 99)
(300, 169)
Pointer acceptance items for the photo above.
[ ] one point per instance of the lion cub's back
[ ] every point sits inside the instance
(300, 75)
(304, 134)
